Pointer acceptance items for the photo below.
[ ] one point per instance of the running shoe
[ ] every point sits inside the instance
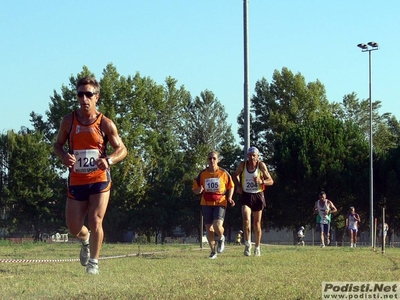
(257, 251)
(213, 255)
(221, 244)
(247, 250)
(84, 255)
(92, 268)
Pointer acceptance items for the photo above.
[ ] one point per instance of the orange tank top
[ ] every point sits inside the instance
(87, 143)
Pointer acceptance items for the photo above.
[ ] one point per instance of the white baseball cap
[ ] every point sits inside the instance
(253, 150)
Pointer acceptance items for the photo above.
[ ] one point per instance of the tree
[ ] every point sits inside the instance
(323, 154)
(117, 101)
(386, 128)
(204, 129)
(287, 101)
(167, 135)
(162, 159)
(205, 125)
(30, 185)
(387, 187)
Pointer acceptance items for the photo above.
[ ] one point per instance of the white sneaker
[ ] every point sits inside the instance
(84, 254)
(247, 249)
(92, 268)
(257, 251)
(213, 255)
(322, 245)
(221, 244)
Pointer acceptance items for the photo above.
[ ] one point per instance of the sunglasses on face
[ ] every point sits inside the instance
(87, 94)
(212, 158)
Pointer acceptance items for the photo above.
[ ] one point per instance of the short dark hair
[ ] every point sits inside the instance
(322, 193)
(89, 80)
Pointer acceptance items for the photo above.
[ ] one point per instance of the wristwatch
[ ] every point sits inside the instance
(109, 161)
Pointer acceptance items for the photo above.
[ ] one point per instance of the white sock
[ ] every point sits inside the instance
(94, 261)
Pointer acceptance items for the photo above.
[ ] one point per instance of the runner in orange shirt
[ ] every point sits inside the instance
(216, 186)
(87, 132)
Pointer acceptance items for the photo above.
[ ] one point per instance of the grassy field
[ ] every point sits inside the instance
(132, 271)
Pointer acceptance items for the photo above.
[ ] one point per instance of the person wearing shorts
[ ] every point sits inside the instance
(383, 230)
(87, 132)
(324, 209)
(216, 188)
(250, 179)
(352, 223)
(300, 236)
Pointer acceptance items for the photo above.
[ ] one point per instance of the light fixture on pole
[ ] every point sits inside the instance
(371, 46)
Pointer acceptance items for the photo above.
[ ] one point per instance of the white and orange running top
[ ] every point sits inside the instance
(87, 143)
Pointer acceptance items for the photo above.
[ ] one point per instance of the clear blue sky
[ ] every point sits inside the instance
(199, 43)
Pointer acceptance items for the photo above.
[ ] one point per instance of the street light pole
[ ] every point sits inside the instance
(246, 109)
(369, 48)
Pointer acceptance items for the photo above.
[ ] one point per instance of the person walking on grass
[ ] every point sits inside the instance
(352, 223)
(300, 236)
(383, 230)
(87, 132)
(216, 188)
(239, 238)
(324, 209)
(250, 178)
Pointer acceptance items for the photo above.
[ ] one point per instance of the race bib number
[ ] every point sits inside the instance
(250, 185)
(212, 185)
(86, 160)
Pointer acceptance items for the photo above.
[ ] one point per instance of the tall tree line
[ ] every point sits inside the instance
(168, 134)
(313, 144)
(308, 142)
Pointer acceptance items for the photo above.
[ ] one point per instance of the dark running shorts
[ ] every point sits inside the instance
(82, 192)
(325, 228)
(255, 201)
(211, 213)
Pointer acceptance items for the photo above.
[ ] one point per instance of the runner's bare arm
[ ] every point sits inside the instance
(332, 207)
(236, 177)
(266, 176)
(67, 159)
(115, 141)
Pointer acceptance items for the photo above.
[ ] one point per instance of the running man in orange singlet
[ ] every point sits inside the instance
(87, 132)
(250, 179)
(215, 185)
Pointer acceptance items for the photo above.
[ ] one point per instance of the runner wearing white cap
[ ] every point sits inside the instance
(250, 179)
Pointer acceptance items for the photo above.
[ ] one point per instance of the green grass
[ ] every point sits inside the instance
(185, 272)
